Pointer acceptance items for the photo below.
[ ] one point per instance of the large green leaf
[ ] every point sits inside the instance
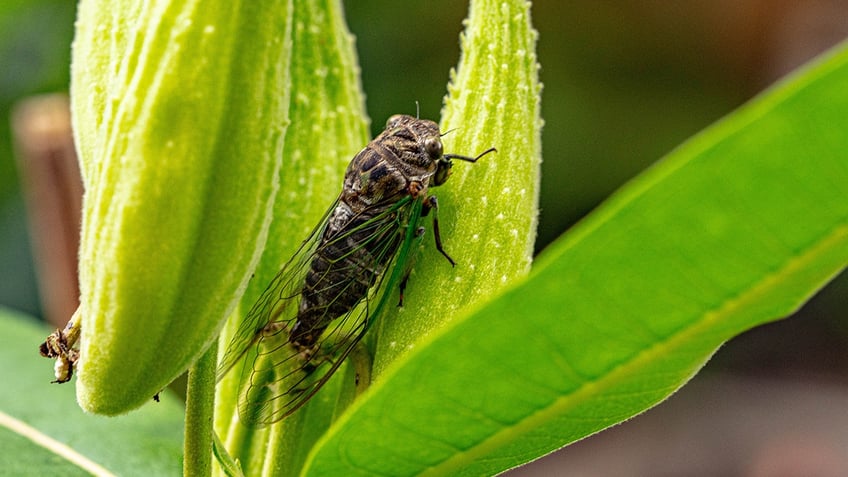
(42, 429)
(735, 228)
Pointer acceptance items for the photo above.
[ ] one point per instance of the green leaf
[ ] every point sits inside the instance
(735, 228)
(35, 415)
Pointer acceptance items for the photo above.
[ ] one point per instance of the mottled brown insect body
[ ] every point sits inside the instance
(321, 303)
(399, 162)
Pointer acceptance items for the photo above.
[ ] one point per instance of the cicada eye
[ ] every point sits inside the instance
(433, 147)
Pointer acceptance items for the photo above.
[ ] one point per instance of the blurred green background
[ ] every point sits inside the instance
(624, 82)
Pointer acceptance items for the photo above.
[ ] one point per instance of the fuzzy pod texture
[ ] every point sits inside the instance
(409, 422)
(487, 210)
(180, 111)
(329, 126)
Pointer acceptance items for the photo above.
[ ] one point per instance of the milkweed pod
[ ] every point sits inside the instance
(179, 110)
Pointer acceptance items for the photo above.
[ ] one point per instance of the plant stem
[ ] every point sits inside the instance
(200, 401)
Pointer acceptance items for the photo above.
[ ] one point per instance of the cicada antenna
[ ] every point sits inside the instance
(468, 158)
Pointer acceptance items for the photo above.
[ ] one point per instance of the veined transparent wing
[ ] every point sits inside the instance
(277, 303)
(281, 376)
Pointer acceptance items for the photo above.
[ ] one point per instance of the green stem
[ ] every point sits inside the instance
(200, 402)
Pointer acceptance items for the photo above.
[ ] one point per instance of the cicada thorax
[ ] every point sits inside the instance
(363, 232)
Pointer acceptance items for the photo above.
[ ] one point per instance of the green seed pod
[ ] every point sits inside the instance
(180, 110)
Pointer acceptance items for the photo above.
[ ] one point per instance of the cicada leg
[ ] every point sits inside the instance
(432, 204)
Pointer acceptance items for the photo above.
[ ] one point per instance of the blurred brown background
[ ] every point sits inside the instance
(625, 82)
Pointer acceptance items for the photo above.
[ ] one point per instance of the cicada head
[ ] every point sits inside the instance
(418, 145)
(416, 142)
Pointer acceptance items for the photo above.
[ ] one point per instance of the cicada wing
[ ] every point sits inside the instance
(278, 303)
(283, 377)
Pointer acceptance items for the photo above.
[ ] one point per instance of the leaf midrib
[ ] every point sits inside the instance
(57, 448)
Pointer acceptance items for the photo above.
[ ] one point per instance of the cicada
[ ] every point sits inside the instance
(324, 299)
